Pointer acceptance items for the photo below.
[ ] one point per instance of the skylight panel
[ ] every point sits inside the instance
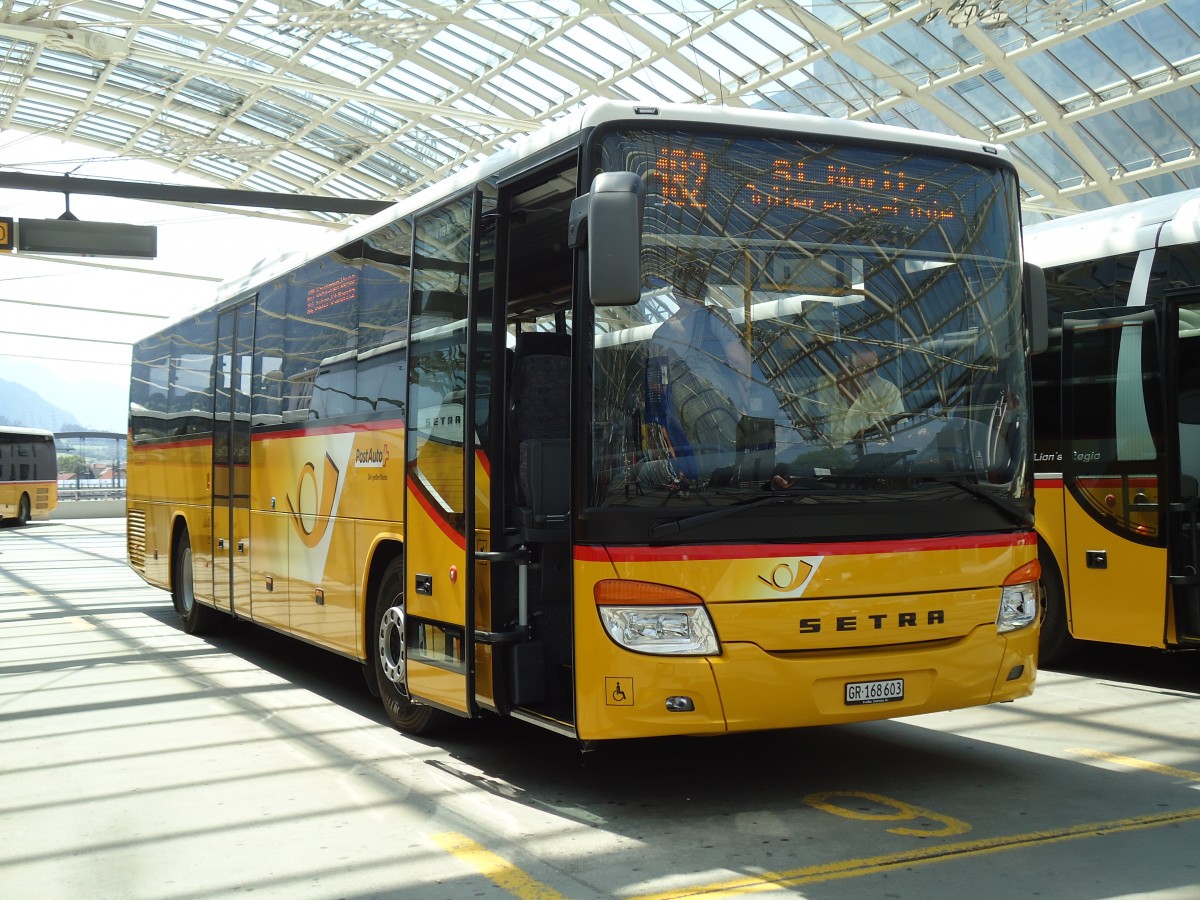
(210, 96)
(525, 22)
(342, 61)
(804, 99)
(105, 130)
(303, 169)
(1171, 29)
(374, 120)
(389, 169)
(269, 181)
(137, 76)
(273, 119)
(220, 167)
(228, 56)
(838, 14)
(281, 42)
(40, 114)
(568, 53)
(956, 101)
(911, 114)
(726, 62)
(606, 39)
(333, 143)
(1056, 161)
(669, 21)
(993, 95)
(413, 81)
(1157, 131)
(648, 85)
(197, 14)
(457, 49)
(519, 91)
(346, 184)
(56, 88)
(1126, 49)
(1055, 79)
(1181, 106)
(167, 42)
(176, 118)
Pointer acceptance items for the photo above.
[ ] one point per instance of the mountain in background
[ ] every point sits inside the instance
(22, 407)
(36, 396)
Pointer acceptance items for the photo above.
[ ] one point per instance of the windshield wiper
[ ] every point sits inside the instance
(1015, 511)
(662, 529)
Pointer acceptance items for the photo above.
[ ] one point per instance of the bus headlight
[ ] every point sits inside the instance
(1020, 598)
(1018, 606)
(655, 618)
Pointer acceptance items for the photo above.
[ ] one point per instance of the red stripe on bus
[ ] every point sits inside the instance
(435, 515)
(760, 551)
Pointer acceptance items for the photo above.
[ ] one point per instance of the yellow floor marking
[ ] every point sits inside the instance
(503, 874)
(1134, 763)
(872, 865)
(494, 868)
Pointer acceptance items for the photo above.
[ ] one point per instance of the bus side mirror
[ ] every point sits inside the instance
(1033, 292)
(608, 220)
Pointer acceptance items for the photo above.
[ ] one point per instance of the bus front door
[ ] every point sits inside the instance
(1114, 469)
(1183, 327)
(231, 461)
(444, 522)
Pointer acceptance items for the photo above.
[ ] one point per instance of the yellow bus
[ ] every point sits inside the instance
(663, 421)
(1117, 425)
(28, 475)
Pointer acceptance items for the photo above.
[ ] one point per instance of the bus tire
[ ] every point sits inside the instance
(194, 617)
(22, 511)
(1055, 643)
(388, 658)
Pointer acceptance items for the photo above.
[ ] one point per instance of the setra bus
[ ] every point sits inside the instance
(663, 421)
(28, 475)
(1117, 425)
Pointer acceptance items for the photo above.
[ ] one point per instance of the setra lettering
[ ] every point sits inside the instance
(874, 621)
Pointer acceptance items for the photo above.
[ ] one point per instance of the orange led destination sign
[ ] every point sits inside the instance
(324, 296)
(683, 177)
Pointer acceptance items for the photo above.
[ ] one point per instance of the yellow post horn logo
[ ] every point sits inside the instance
(312, 520)
(785, 579)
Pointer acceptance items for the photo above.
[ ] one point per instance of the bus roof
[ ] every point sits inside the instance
(1128, 228)
(594, 113)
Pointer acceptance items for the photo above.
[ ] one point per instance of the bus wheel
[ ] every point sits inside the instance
(389, 660)
(1055, 644)
(196, 618)
(23, 511)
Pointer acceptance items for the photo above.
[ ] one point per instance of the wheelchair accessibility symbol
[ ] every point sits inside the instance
(618, 691)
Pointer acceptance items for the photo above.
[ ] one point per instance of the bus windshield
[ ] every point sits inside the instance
(816, 318)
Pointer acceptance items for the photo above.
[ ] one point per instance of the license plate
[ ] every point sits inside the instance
(885, 691)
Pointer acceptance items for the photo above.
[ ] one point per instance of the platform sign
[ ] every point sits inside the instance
(6, 234)
(72, 237)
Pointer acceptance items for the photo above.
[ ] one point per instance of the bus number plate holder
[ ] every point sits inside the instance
(887, 690)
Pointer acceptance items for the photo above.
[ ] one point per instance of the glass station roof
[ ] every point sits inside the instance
(375, 98)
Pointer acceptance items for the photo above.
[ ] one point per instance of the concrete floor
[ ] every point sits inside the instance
(137, 761)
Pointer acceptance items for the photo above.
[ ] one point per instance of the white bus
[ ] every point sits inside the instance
(1117, 425)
